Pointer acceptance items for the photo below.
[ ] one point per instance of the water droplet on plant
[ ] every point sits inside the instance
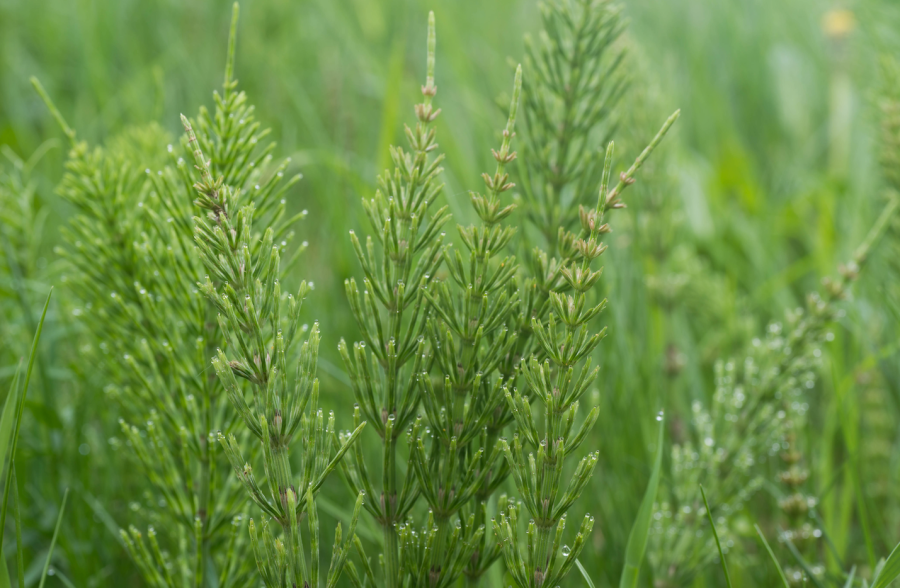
(659, 416)
(566, 551)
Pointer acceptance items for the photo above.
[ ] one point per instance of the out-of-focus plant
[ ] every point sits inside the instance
(22, 224)
(754, 415)
(23, 218)
(725, 443)
(879, 422)
(572, 84)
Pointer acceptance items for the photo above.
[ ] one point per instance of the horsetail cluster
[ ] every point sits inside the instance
(468, 447)
(438, 365)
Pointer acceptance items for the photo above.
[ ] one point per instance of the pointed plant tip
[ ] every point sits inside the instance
(39, 88)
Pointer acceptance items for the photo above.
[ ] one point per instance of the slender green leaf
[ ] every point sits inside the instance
(772, 555)
(8, 418)
(59, 518)
(4, 573)
(849, 583)
(889, 570)
(637, 539)
(803, 564)
(584, 573)
(712, 525)
(20, 409)
(20, 552)
(6, 425)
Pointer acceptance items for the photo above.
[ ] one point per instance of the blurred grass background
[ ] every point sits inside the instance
(770, 178)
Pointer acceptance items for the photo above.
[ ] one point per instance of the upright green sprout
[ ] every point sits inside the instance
(143, 258)
(565, 342)
(245, 290)
(572, 86)
(392, 312)
(458, 341)
(132, 272)
(472, 343)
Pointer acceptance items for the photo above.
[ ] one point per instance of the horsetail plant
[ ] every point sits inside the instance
(132, 270)
(756, 408)
(563, 115)
(807, 330)
(540, 558)
(572, 84)
(413, 310)
(247, 295)
(801, 534)
(472, 347)
(723, 449)
(140, 256)
(249, 302)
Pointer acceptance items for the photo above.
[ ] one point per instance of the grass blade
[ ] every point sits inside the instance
(62, 509)
(6, 424)
(20, 557)
(19, 410)
(8, 418)
(803, 563)
(637, 539)
(772, 555)
(712, 525)
(4, 573)
(584, 573)
(889, 570)
(849, 583)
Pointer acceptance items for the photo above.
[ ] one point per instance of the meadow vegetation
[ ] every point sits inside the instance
(619, 305)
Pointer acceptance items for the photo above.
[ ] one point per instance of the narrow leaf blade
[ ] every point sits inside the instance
(640, 531)
(716, 537)
(584, 573)
(772, 555)
(889, 571)
(62, 509)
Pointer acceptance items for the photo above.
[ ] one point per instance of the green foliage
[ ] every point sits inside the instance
(712, 526)
(637, 539)
(772, 556)
(10, 426)
(247, 295)
(465, 339)
(573, 84)
(460, 347)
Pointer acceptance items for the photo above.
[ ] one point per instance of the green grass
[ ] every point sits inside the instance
(768, 181)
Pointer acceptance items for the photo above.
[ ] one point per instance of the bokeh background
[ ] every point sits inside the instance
(769, 179)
